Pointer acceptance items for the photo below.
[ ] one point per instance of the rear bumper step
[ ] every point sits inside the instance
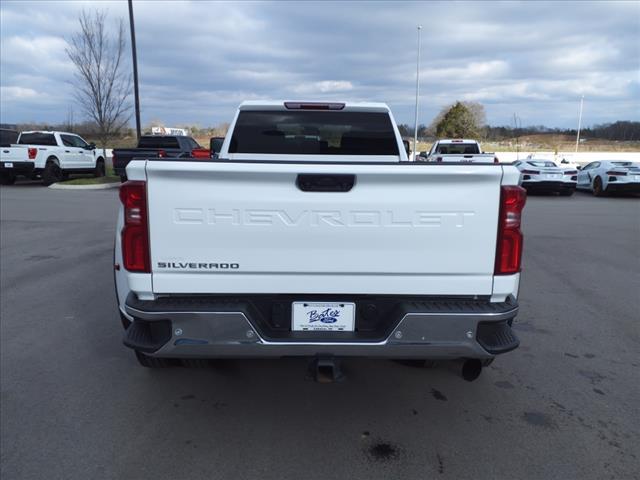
(497, 337)
(216, 327)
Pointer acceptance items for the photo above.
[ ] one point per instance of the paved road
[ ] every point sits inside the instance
(75, 405)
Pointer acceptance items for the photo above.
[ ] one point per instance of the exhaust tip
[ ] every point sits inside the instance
(471, 369)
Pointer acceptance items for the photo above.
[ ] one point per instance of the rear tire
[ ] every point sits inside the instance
(51, 174)
(7, 179)
(598, 189)
(152, 362)
(100, 170)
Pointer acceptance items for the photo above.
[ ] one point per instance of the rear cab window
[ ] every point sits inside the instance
(8, 137)
(158, 142)
(48, 139)
(190, 143)
(304, 132)
(458, 149)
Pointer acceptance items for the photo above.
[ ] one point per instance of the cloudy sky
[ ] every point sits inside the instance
(198, 60)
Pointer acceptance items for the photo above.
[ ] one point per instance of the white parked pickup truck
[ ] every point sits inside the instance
(312, 235)
(14, 160)
(459, 150)
(51, 156)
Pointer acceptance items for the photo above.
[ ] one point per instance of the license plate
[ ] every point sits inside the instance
(323, 316)
(8, 165)
(553, 175)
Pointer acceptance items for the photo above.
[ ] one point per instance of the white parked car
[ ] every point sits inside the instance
(546, 176)
(51, 156)
(610, 176)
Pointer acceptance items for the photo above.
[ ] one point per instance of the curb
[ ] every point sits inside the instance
(100, 186)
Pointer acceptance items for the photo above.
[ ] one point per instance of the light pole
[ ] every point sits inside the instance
(415, 128)
(135, 68)
(516, 119)
(579, 123)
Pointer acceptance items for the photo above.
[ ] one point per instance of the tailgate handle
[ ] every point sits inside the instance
(311, 182)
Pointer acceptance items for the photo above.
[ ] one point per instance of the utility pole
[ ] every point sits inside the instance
(579, 123)
(415, 129)
(516, 131)
(135, 68)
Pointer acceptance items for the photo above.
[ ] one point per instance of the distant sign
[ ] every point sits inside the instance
(169, 131)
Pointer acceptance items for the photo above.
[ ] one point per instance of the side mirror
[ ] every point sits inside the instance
(92, 146)
(578, 167)
(215, 145)
(407, 147)
(564, 161)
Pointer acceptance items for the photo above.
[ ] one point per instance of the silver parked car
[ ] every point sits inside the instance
(610, 176)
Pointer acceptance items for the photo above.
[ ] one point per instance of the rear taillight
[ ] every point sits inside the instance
(438, 159)
(617, 174)
(495, 160)
(32, 153)
(201, 153)
(509, 246)
(135, 234)
(531, 172)
(162, 154)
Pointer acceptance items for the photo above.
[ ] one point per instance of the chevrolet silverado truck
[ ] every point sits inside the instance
(313, 235)
(459, 150)
(150, 146)
(52, 156)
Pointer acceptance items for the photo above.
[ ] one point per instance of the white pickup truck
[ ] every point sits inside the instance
(14, 160)
(459, 150)
(49, 155)
(312, 235)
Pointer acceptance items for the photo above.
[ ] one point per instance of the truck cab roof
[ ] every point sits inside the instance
(49, 132)
(457, 140)
(314, 105)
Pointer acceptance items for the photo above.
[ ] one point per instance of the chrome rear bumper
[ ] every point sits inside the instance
(454, 333)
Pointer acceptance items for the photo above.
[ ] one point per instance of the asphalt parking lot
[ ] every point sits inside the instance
(75, 404)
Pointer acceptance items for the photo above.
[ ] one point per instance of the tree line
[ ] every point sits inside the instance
(468, 120)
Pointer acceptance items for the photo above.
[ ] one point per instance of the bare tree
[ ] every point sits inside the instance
(102, 84)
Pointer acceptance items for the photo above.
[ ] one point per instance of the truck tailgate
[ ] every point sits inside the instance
(224, 227)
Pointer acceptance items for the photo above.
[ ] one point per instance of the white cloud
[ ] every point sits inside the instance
(13, 93)
(324, 86)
